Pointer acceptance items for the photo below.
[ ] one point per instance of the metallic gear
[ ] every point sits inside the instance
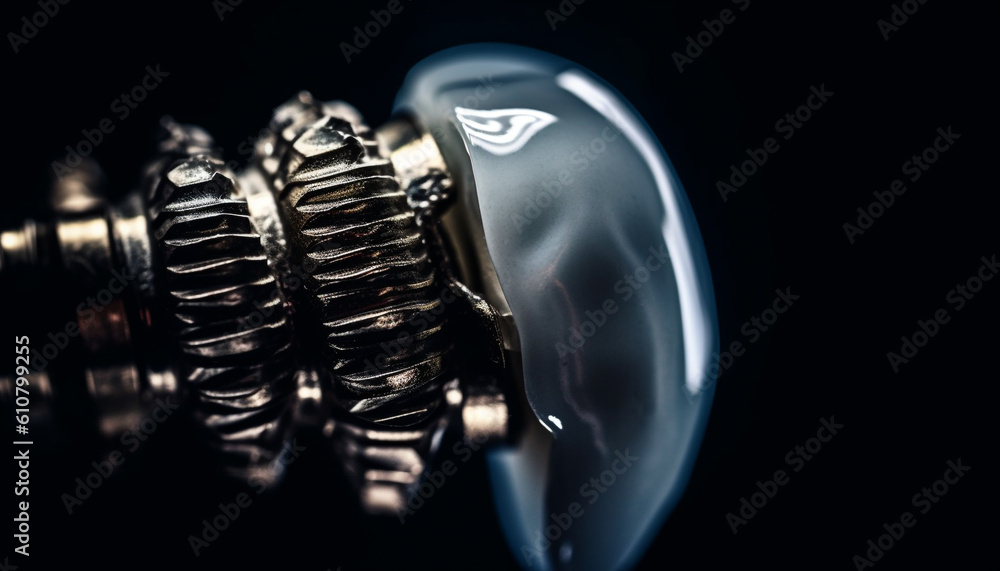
(369, 275)
(443, 275)
(305, 290)
(234, 339)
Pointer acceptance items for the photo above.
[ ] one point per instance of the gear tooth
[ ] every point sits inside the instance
(183, 139)
(299, 108)
(195, 182)
(357, 123)
(323, 149)
(350, 222)
(289, 120)
(199, 172)
(368, 279)
(179, 141)
(295, 116)
(386, 464)
(217, 276)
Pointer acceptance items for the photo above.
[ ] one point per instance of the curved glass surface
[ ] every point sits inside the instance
(599, 259)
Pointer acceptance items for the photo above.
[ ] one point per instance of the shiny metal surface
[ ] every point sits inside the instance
(508, 260)
(369, 279)
(234, 346)
(112, 377)
(370, 294)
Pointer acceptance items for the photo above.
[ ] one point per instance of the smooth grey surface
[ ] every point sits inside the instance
(510, 121)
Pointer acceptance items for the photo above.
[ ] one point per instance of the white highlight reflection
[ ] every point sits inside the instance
(697, 333)
(502, 131)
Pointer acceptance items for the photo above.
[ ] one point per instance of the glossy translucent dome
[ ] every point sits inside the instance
(599, 259)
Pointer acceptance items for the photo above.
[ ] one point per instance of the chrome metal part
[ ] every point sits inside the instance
(377, 287)
(309, 289)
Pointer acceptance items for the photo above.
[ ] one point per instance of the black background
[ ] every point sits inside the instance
(825, 356)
